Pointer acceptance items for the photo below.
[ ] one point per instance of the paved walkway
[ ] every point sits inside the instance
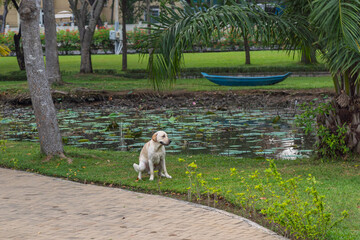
(38, 207)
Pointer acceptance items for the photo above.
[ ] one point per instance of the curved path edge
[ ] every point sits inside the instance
(34, 206)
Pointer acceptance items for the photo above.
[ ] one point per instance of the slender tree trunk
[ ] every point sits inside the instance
(3, 25)
(247, 49)
(86, 64)
(148, 18)
(51, 50)
(18, 49)
(81, 11)
(124, 49)
(112, 12)
(308, 56)
(45, 114)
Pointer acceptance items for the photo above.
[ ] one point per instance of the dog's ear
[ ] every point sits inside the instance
(154, 137)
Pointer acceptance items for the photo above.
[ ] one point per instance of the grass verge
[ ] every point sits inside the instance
(115, 83)
(71, 63)
(338, 181)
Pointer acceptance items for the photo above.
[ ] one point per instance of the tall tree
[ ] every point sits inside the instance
(87, 15)
(51, 49)
(303, 8)
(131, 10)
(338, 30)
(45, 114)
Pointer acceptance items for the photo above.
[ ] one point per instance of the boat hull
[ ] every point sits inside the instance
(245, 81)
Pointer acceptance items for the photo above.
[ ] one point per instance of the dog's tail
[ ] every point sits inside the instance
(136, 167)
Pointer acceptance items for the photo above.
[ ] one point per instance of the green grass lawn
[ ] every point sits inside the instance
(71, 63)
(113, 83)
(70, 66)
(338, 181)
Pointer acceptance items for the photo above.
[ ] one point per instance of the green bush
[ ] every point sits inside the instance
(101, 40)
(3, 145)
(8, 40)
(329, 144)
(69, 40)
(332, 145)
(283, 202)
(293, 204)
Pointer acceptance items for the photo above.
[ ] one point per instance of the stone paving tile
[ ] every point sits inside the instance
(38, 207)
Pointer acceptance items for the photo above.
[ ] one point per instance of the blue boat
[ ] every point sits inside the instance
(245, 81)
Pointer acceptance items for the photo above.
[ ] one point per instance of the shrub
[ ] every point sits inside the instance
(68, 41)
(8, 40)
(3, 145)
(101, 40)
(293, 204)
(282, 203)
(330, 144)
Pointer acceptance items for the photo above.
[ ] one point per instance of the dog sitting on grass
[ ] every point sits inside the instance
(152, 156)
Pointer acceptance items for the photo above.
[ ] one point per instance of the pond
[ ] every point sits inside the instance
(269, 133)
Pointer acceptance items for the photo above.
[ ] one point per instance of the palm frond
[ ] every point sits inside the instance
(338, 22)
(179, 28)
(338, 28)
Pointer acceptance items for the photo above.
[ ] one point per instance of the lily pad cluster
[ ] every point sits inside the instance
(243, 133)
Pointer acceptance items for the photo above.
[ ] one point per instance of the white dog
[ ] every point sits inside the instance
(152, 156)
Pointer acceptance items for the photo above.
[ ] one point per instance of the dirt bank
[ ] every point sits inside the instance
(177, 99)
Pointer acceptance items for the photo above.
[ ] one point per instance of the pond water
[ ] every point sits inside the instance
(269, 133)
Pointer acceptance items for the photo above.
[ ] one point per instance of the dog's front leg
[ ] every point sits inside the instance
(151, 168)
(163, 166)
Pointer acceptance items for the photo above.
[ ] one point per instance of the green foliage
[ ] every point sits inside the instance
(3, 145)
(330, 144)
(198, 186)
(281, 203)
(309, 113)
(279, 200)
(8, 40)
(101, 40)
(68, 40)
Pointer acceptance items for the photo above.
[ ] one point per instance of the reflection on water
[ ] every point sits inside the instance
(254, 133)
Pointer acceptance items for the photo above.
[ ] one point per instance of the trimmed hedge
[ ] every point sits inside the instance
(69, 41)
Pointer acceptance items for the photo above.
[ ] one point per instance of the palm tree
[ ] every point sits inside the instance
(303, 8)
(336, 34)
(179, 28)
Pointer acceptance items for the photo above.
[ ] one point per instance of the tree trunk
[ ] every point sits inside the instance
(3, 25)
(92, 10)
(51, 50)
(45, 114)
(345, 113)
(124, 49)
(112, 13)
(247, 49)
(18, 49)
(86, 64)
(308, 56)
(148, 18)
